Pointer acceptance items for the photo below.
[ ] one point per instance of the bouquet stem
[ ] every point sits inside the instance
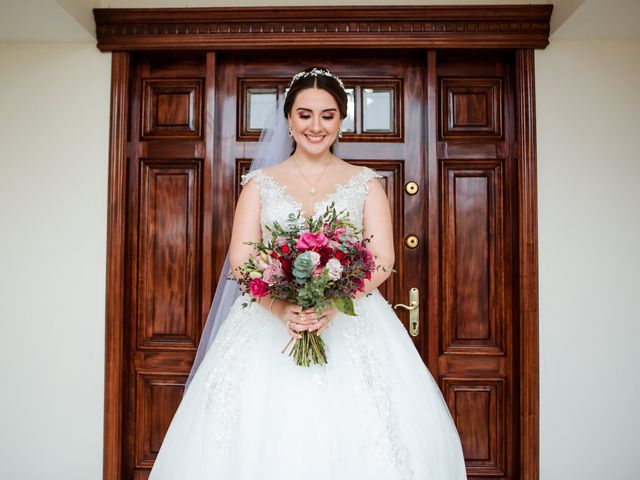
(308, 349)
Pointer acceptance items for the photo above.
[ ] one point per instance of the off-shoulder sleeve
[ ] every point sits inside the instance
(248, 176)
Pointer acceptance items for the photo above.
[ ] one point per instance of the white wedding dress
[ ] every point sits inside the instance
(373, 412)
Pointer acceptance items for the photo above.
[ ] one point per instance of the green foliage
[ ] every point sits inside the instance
(312, 294)
(302, 267)
(345, 305)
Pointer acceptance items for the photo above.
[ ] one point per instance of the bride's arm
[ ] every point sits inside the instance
(246, 226)
(376, 221)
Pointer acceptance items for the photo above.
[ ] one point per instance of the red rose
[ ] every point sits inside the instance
(274, 254)
(286, 266)
(285, 249)
(258, 288)
(368, 259)
(326, 254)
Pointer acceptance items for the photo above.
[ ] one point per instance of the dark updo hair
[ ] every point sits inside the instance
(324, 82)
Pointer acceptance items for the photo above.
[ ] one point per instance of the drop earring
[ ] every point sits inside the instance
(290, 131)
(340, 133)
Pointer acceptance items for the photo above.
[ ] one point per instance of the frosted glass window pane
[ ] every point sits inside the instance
(348, 123)
(377, 110)
(259, 102)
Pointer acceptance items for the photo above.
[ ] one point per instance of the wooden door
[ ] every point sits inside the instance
(448, 128)
(472, 324)
(169, 246)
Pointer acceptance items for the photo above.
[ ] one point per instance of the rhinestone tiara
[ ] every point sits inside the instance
(315, 72)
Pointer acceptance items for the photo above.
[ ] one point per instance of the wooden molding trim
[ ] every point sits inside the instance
(528, 263)
(115, 266)
(475, 26)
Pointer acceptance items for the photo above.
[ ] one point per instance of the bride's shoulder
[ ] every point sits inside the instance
(345, 170)
(273, 171)
(351, 170)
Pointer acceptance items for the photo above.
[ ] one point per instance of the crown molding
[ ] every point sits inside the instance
(469, 26)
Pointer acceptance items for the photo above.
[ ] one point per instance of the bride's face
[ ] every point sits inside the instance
(315, 121)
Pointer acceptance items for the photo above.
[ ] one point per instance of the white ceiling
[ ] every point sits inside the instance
(72, 20)
(44, 21)
(613, 19)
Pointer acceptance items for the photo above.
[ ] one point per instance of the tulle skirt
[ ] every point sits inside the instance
(373, 412)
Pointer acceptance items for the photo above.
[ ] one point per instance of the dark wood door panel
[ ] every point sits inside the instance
(172, 108)
(473, 281)
(169, 222)
(478, 408)
(158, 397)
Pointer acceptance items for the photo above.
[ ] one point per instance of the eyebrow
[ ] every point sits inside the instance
(325, 110)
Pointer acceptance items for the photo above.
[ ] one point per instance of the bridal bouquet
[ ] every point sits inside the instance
(317, 263)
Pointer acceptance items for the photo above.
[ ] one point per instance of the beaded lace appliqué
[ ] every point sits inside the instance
(277, 204)
(223, 381)
(381, 434)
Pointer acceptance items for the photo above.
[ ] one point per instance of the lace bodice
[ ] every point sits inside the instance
(276, 204)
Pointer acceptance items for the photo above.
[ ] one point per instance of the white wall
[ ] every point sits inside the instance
(54, 101)
(588, 102)
(54, 125)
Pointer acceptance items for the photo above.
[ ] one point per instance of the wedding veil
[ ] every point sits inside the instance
(274, 146)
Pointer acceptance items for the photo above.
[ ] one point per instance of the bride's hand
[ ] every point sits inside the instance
(292, 315)
(323, 321)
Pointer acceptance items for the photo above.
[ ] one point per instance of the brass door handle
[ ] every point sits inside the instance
(414, 311)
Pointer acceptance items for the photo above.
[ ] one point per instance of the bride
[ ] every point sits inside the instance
(249, 412)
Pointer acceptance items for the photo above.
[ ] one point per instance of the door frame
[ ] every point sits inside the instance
(521, 28)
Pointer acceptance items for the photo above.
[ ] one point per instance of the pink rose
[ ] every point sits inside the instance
(339, 231)
(334, 268)
(312, 240)
(273, 271)
(279, 241)
(258, 288)
(261, 263)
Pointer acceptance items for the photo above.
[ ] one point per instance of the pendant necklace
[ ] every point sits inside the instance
(313, 190)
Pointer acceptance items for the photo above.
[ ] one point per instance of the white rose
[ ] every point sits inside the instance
(315, 258)
(334, 268)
